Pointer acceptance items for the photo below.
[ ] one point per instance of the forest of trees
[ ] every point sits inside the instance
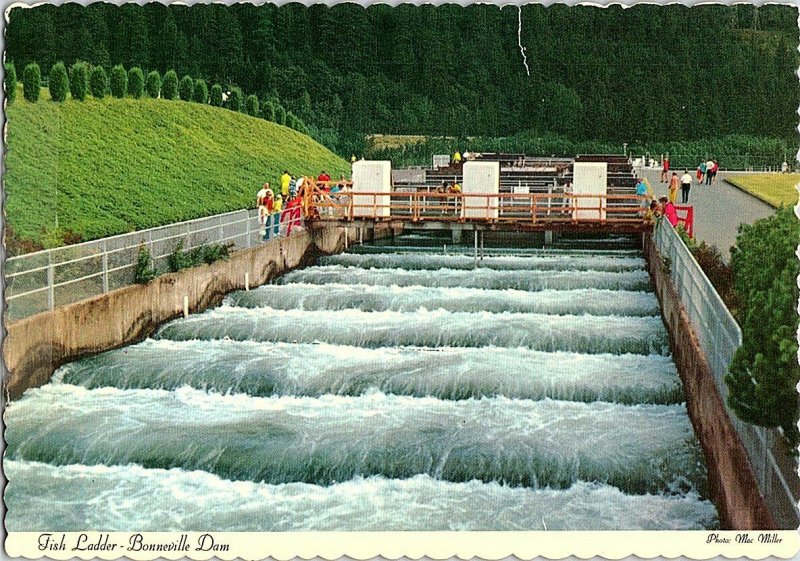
(643, 74)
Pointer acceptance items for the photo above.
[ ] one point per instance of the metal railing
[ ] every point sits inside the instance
(40, 281)
(719, 336)
(417, 206)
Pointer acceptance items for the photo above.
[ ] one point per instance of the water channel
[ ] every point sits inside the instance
(390, 388)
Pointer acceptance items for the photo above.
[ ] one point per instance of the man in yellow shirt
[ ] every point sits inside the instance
(286, 179)
(457, 157)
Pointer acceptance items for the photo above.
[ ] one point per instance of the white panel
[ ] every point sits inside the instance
(371, 177)
(481, 177)
(590, 178)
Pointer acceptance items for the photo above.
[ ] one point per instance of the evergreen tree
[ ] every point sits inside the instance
(216, 95)
(169, 87)
(186, 88)
(153, 84)
(32, 82)
(280, 115)
(58, 82)
(235, 100)
(78, 80)
(251, 105)
(98, 82)
(268, 111)
(135, 82)
(118, 81)
(10, 81)
(200, 91)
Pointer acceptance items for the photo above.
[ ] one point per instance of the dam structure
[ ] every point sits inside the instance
(403, 385)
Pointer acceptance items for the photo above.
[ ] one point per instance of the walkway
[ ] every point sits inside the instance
(718, 210)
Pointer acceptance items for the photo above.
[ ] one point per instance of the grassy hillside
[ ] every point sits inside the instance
(112, 166)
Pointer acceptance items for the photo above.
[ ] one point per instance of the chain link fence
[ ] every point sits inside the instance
(719, 336)
(40, 281)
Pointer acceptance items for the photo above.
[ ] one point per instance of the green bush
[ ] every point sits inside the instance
(251, 105)
(58, 83)
(280, 115)
(118, 81)
(153, 84)
(135, 82)
(216, 95)
(208, 254)
(268, 111)
(291, 120)
(98, 82)
(169, 87)
(144, 271)
(78, 80)
(32, 82)
(186, 88)
(235, 100)
(10, 82)
(764, 372)
(200, 91)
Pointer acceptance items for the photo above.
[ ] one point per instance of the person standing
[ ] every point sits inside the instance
(714, 171)
(641, 192)
(286, 179)
(686, 184)
(701, 172)
(665, 170)
(669, 211)
(710, 171)
(261, 195)
(673, 187)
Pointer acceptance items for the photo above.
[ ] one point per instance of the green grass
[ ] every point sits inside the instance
(116, 165)
(776, 189)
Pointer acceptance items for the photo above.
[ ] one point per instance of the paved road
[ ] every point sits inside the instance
(718, 209)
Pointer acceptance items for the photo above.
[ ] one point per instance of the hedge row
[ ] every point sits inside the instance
(119, 83)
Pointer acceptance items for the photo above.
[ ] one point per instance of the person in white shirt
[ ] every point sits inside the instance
(261, 195)
(686, 184)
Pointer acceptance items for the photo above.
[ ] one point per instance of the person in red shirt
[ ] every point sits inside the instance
(665, 170)
(323, 178)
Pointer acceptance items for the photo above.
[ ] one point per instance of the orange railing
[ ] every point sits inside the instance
(417, 206)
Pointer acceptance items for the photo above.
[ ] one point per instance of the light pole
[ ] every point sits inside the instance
(624, 148)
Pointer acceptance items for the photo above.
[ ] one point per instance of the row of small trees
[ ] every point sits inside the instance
(82, 79)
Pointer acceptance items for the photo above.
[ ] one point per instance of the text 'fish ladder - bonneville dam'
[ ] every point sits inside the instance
(390, 390)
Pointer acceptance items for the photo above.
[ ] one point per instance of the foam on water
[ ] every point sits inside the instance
(43, 497)
(437, 328)
(638, 449)
(477, 278)
(423, 261)
(371, 298)
(260, 369)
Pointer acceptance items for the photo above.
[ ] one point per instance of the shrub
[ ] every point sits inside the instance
(200, 91)
(268, 111)
(208, 254)
(78, 80)
(32, 82)
(144, 271)
(764, 372)
(216, 95)
(251, 105)
(119, 81)
(291, 120)
(98, 82)
(280, 115)
(135, 82)
(58, 83)
(169, 87)
(153, 84)
(186, 88)
(235, 100)
(11, 82)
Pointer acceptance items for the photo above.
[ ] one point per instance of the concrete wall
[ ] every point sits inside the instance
(732, 485)
(589, 178)
(481, 177)
(373, 176)
(36, 346)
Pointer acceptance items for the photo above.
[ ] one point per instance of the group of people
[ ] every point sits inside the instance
(654, 209)
(283, 207)
(448, 188)
(706, 172)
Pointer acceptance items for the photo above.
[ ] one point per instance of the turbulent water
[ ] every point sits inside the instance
(390, 391)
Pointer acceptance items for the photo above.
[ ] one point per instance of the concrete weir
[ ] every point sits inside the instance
(36, 346)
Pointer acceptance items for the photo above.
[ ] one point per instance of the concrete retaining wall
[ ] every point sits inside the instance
(36, 346)
(732, 485)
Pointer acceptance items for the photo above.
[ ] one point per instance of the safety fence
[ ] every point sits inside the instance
(534, 208)
(40, 281)
(719, 336)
